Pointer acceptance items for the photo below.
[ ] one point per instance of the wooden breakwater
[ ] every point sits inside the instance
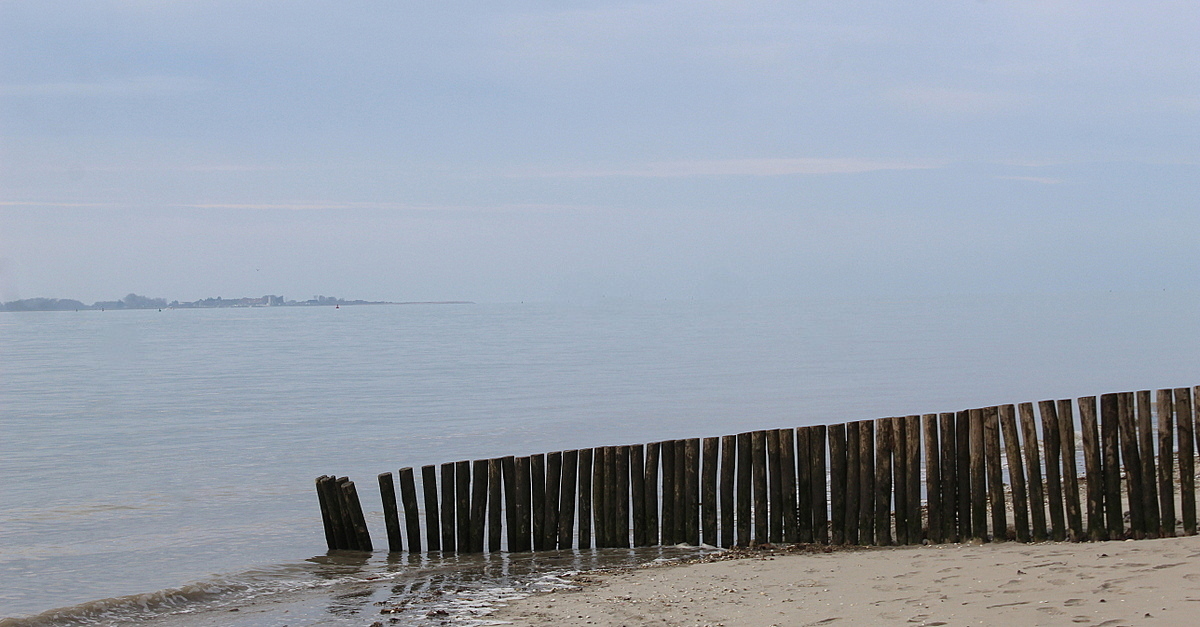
(944, 477)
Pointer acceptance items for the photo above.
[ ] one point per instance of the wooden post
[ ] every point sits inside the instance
(691, 498)
(1033, 472)
(759, 469)
(1053, 447)
(1110, 449)
(995, 473)
(1127, 429)
(837, 483)
(949, 443)
(652, 458)
(585, 498)
(1145, 433)
(553, 486)
(508, 466)
(479, 502)
(621, 530)
(853, 480)
(412, 520)
(354, 506)
(1066, 427)
(745, 450)
(667, 452)
(866, 482)
(933, 478)
(883, 482)
(912, 431)
(331, 516)
(1166, 461)
(537, 480)
(804, 484)
(708, 492)
(566, 499)
(391, 513)
(433, 534)
(449, 538)
(1016, 472)
(727, 505)
(774, 488)
(962, 433)
(611, 507)
(978, 477)
(681, 489)
(1184, 427)
(900, 478)
(787, 448)
(524, 509)
(462, 505)
(820, 503)
(1093, 468)
(495, 508)
(637, 488)
(599, 496)
(346, 507)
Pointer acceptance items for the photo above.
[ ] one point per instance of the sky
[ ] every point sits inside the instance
(501, 152)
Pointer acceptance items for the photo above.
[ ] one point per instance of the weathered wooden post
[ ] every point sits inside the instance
(1127, 428)
(479, 503)
(1185, 428)
(1066, 426)
(433, 534)
(727, 504)
(1050, 431)
(853, 482)
(866, 482)
(566, 499)
(745, 450)
(586, 462)
(1033, 472)
(1093, 468)
(391, 513)
(1145, 434)
(708, 491)
(933, 477)
(883, 481)
(412, 520)
(949, 442)
(1166, 461)
(837, 483)
(1016, 472)
(759, 469)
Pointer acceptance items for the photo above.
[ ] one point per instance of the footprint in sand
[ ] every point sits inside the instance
(1192, 576)
(1053, 611)
(1073, 602)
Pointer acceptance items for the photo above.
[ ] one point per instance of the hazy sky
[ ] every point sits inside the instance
(536, 150)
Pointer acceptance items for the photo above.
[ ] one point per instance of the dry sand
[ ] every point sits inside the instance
(1147, 582)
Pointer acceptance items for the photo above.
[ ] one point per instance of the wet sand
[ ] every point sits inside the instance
(1146, 582)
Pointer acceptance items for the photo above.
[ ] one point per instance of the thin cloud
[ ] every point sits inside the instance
(133, 86)
(1033, 179)
(741, 167)
(958, 101)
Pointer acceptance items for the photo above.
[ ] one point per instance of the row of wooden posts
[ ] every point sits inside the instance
(936, 477)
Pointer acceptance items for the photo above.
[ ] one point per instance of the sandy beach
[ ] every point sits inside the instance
(1146, 582)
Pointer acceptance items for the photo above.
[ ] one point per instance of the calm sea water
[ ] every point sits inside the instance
(171, 454)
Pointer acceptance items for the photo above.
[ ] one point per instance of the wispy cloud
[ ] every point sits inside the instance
(1045, 180)
(958, 101)
(117, 87)
(738, 167)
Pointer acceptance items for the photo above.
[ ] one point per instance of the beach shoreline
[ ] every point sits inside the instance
(1144, 582)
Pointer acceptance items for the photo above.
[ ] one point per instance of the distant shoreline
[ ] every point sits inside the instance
(133, 301)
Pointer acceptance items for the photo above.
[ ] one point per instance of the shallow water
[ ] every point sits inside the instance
(143, 450)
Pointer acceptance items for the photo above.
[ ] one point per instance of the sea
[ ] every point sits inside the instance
(157, 467)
